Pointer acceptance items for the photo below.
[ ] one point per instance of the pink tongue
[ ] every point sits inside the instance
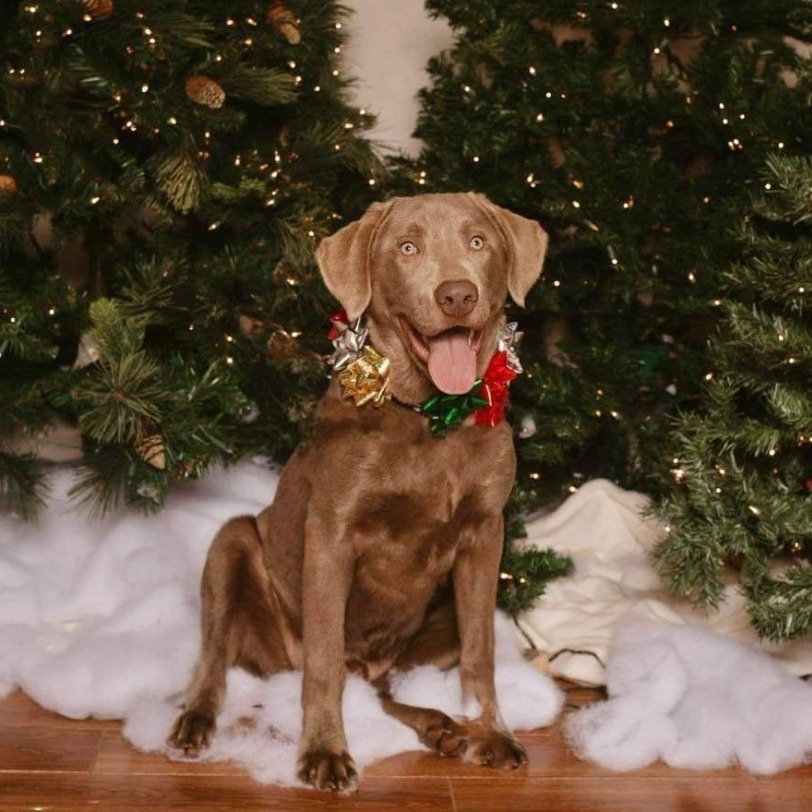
(452, 362)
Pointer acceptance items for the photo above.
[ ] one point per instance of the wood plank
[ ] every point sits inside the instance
(19, 710)
(663, 794)
(53, 763)
(547, 755)
(48, 749)
(68, 792)
(118, 757)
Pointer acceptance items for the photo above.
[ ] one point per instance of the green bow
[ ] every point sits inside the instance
(448, 411)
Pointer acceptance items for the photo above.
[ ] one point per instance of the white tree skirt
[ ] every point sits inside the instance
(604, 530)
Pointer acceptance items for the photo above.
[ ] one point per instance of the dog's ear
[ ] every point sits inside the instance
(526, 243)
(528, 246)
(344, 260)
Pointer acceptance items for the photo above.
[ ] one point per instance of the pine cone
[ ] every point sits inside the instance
(202, 90)
(152, 450)
(284, 23)
(8, 186)
(99, 9)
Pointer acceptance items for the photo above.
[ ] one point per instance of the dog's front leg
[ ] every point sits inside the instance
(323, 758)
(476, 573)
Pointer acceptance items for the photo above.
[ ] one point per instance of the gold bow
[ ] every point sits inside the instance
(365, 379)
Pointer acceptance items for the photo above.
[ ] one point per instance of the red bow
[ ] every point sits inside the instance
(494, 389)
(339, 317)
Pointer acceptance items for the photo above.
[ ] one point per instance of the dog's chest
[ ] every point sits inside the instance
(416, 522)
(405, 500)
(426, 502)
(423, 501)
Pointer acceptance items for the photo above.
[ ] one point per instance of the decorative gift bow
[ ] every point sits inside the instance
(364, 376)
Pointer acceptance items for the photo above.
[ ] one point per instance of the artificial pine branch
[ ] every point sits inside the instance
(180, 178)
(525, 575)
(743, 462)
(781, 607)
(184, 177)
(22, 482)
(635, 133)
(266, 86)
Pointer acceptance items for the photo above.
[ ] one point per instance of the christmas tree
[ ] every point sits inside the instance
(634, 131)
(165, 174)
(743, 463)
(166, 169)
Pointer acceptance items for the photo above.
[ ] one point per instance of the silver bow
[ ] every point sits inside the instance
(349, 345)
(508, 341)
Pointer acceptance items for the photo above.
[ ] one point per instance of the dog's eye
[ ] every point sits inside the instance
(477, 243)
(408, 248)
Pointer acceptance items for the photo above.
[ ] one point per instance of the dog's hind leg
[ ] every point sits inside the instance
(437, 730)
(436, 643)
(241, 624)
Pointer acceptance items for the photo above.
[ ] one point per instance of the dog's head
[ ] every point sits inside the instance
(432, 273)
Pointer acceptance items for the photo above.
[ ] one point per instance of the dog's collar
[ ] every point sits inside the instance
(364, 377)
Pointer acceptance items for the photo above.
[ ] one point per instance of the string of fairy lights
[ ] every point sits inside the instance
(202, 90)
(729, 115)
(207, 94)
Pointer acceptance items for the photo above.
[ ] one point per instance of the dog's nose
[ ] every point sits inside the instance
(456, 297)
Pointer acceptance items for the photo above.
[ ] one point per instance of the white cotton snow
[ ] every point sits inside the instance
(691, 698)
(100, 618)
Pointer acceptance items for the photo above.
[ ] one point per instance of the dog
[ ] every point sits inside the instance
(381, 549)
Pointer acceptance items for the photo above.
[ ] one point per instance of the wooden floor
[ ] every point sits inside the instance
(51, 763)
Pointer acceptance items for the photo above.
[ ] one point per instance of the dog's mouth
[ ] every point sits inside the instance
(450, 356)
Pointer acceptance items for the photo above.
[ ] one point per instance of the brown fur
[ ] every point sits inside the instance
(381, 548)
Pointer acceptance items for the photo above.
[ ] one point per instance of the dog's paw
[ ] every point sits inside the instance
(446, 737)
(326, 770)
(191, 733)
(496, 749)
